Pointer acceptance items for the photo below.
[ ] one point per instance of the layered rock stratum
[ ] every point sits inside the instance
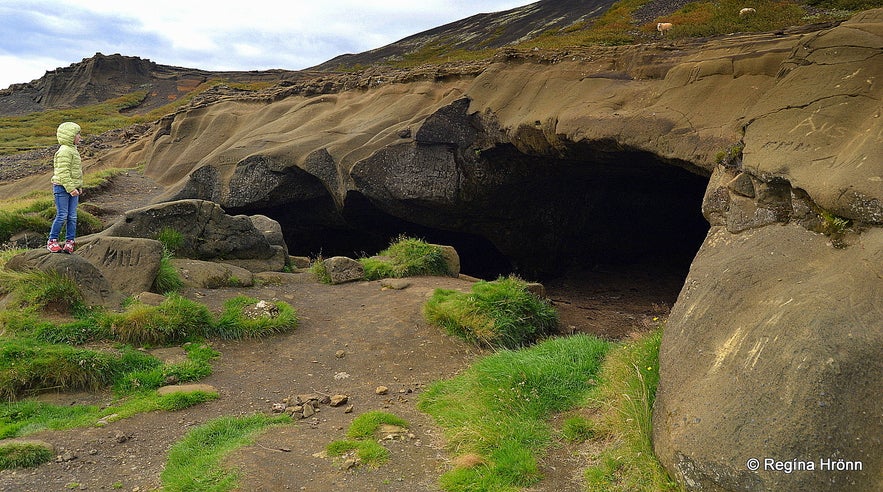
(773, 349)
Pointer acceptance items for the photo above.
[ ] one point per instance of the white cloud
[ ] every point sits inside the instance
(252, 35)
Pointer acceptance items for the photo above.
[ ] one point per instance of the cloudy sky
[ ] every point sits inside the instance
(37, 35)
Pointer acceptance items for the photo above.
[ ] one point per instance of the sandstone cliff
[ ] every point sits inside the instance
(609, 154)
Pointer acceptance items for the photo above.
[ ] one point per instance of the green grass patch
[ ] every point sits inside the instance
(698, 19)
(194, 463)
(577, 429)
(370, 453)
(496, 410)
(624, 399)
(406, 257)
(171, 239)
(362, 440)
(246, 317)
(35, 213)
(174, 320)
(167, 279)
(23, 455)
(365, 425)
(501, 313)
(318, 268)
(27, 365)
(137, 375)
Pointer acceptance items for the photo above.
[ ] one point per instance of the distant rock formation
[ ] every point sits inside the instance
(101, 77)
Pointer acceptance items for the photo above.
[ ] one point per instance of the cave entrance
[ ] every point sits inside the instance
(610, 234)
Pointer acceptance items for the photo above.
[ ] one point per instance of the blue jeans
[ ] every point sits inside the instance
(65, 213)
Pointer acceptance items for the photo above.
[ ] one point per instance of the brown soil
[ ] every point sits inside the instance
(351, 339)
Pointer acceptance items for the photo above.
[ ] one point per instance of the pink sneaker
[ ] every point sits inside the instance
(68, 246)
(53, 246)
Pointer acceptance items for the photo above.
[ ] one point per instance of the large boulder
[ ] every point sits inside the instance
(129, 264)
(93, 286)
(212, 275)
(342, 269)
(207, 232)
(772, 353)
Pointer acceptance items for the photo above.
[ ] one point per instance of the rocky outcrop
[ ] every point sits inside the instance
(130, 265)
(203, 231)
(772, 353)
(92, 284)
(101, 77)
(766, 373)
(124, 259)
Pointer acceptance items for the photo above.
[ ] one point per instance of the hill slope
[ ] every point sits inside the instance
(489, 30)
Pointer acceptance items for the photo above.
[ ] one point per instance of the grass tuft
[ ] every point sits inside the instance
(406, 257)
(246, 317)
(365, 425)
(23, 455)
(194, 463)
(495, 411)
(174, 320)
(167, 279)
(361, 438)
(624, 398)
(500, 314)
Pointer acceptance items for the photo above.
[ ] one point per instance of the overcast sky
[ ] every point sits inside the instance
(37, 35)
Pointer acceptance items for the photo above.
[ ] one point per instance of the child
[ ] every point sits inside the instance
(67, 182)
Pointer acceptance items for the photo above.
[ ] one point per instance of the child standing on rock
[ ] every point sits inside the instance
(67, 182)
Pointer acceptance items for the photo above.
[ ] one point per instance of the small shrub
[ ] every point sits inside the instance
(502, 313)
(23, 455)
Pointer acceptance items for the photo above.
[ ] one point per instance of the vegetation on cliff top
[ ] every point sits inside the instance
(623, 23)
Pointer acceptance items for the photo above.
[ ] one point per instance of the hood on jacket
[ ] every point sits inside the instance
(66, 133)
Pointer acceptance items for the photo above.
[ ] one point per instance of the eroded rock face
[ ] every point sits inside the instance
(206, 233)
(772, 352)
(93, 286)
(773, 344)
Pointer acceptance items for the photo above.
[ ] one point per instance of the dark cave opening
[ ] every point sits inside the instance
(537, 217)
(611, 234)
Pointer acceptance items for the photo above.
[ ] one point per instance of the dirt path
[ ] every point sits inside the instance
(352, 338)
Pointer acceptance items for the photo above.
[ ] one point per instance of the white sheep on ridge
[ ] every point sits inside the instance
(663, 27)
(746, 11)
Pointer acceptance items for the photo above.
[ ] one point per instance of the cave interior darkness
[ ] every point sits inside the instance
(550, 219)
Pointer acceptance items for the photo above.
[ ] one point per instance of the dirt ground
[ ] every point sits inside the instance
(351, 339)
